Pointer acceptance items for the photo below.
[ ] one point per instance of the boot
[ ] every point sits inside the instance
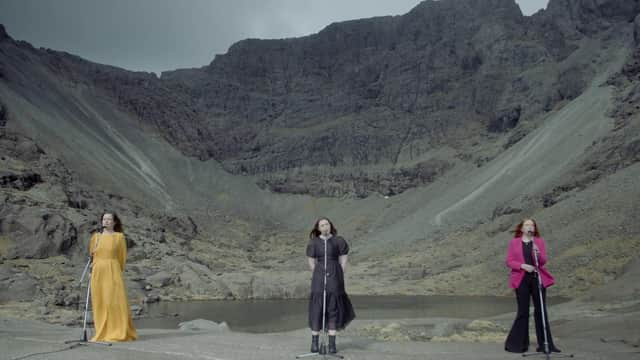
(332, 344)
(314, 344)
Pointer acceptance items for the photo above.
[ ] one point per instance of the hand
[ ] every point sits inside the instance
(528, 268)
(536, 249)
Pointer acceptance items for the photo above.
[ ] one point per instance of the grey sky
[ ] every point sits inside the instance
(159, 35)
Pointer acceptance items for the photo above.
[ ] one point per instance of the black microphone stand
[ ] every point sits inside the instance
(84, 339)
(323, 344)
(543, 308)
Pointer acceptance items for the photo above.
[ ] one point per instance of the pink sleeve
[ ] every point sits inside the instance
(511, 260)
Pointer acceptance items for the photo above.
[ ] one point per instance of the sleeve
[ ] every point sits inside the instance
(542, 256)
(92, 244)
(343, 247)
(511, 260)
(122, 252)
(311, 250)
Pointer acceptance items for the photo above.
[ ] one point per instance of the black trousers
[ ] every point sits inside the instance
(518, 339)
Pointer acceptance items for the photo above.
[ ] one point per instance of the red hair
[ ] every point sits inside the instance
(518, 230)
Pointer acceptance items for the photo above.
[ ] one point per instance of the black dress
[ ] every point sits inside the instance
(339, 309)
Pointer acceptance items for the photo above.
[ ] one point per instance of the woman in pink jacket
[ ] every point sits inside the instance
(524, 248)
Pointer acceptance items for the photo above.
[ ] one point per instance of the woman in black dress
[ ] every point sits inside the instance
(339, 311)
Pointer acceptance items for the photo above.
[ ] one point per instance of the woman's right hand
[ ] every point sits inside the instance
(527, 268)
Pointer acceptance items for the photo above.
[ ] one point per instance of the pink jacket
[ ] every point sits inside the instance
(515, 258)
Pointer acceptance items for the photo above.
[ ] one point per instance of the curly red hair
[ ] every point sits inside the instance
(518, 230)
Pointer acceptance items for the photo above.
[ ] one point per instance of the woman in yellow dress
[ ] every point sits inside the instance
(111, 314)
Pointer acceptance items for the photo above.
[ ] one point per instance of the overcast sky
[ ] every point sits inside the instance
(159, 35)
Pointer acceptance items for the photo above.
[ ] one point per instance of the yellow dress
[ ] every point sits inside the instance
(111, 314)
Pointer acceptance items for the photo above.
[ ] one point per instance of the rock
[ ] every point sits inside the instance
(136, 310)
(159, 236)
(448, 328)
(3, 110)
(636, 31)
(484, 325)
(16, 286)
(63, 298)
(72, 322)
(571, 83)
(151, 298)
(182, 226)
(43, 310)
(505, 120)
(72, 300)
(388, 183)
(159, 280)
(505, 210)
(392, 332)
(414, 273)
(591, 16)
(37, 233)
(190, 279)
(203, 325)
(19, 181)
(3, 33)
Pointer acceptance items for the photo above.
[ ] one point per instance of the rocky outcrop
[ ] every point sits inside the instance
(591, 16)
(636, 30)
(378, 93)
(19, 181)
(43, 233)
(3, 111)
(505, 120)
(333, 100)
(373, 89)
(33, 230)
(203, 325)
(16, 286)
(3, 33)
(326, 181)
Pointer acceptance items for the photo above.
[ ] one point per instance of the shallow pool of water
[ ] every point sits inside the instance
(259, 316)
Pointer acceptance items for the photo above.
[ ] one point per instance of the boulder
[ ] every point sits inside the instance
(203, 325)
(36, 232)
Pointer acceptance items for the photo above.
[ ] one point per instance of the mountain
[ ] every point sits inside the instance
(426, 137)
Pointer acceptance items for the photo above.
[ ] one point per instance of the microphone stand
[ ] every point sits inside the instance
(84, 339)
(323, 344)
(543, 308)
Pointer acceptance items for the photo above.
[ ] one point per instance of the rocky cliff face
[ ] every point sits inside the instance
(365, 102)
(372, 101)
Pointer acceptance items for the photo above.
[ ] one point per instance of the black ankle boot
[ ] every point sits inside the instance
(332, 344)
(314, 344)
